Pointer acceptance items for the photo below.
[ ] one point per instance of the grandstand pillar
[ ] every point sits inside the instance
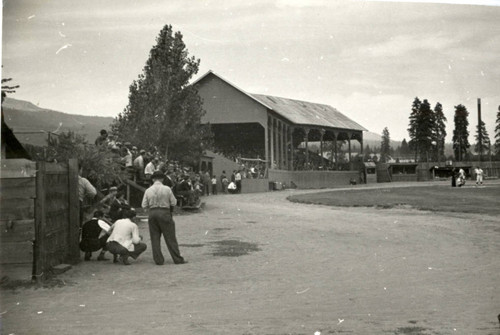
(334, 150)
(275, 149)
(322, 132)
(349, 143)
(271, 145)
(282, 145)
(266, 143)
(285, 141)
(306, 139)
(278, 144)
(291, 129)
(361, 142)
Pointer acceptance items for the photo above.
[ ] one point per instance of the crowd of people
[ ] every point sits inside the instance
(187, 184)
(112, 227)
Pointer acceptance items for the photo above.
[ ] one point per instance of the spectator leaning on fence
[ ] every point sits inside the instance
(85, 191)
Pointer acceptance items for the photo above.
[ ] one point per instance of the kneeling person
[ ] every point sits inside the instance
(124, 240)
(95, 233)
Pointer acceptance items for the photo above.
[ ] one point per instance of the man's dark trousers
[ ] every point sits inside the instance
(160, 222)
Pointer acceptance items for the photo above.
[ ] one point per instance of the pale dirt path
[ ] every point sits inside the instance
(380, 271)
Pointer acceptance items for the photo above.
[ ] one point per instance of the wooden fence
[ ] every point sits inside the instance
(313, 179)
(39, 217)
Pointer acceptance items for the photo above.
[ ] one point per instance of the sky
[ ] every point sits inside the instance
(368, 59)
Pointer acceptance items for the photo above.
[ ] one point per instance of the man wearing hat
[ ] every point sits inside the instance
(139, 165)
(160, 202)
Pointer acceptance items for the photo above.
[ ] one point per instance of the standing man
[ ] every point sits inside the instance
(237, 181)
(224, 181)
(139, 165)
(86, 192)
(206, 180)
(479, 175)
(160, 202)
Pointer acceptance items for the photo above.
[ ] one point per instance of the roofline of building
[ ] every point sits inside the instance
(232, 85)
(250, 95)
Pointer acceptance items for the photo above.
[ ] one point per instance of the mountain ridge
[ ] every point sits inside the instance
(31, 124)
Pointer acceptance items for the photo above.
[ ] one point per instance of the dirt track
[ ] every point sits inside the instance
(261, 265)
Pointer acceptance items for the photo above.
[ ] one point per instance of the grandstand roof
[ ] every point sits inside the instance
(308, 113)
(298, 112)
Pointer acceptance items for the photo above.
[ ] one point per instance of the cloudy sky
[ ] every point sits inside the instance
(369, 59)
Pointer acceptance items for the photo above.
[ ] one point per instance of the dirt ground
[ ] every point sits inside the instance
(259, 264)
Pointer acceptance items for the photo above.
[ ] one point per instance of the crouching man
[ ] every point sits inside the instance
(95, 233)
(124, 240)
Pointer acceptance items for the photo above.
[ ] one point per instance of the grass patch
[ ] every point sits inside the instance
(439, 198)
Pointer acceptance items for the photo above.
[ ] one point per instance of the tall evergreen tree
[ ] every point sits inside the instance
(461, 133)
(485, 139)
(439, 131)
(497, 133)
(413, 126)
(164, 110)
(385, 146)
(421, 128)
(405, 150)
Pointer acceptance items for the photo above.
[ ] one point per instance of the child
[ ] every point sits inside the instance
(214, 185)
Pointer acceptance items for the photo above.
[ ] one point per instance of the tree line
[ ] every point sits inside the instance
(427, 133)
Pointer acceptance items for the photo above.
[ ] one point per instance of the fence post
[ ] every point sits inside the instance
(40, 224)
(74, 213)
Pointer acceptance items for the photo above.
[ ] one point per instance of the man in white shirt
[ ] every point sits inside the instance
(124, 239)
(151, 168)
(479, 175)
(160, 201)
(237, 181)
(94, 236)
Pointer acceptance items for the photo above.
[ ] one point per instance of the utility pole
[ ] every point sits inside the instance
(480, 136)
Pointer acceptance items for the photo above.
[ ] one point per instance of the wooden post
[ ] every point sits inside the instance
(361, 144)
(266, 143)
(322, 132)
(285, 141)
(306, 139)
(74, 213)
(349, 142)
(334, 150)
(480, 135)
(276, 144)
(271, 162)
(291, 148)
(282, 145)
(40, 224)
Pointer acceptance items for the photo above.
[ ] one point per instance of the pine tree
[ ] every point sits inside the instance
(460, 133)
(164, 110)
(413, 126)
(439, 131)
(405, 150)
(421, 128)
(425, 130)
(485, 140)
(497, 133)
(385, 146)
